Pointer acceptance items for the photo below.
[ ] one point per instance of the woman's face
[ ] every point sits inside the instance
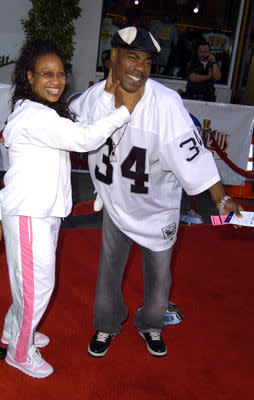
(48, 78)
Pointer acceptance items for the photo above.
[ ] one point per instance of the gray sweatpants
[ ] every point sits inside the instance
(110, 309)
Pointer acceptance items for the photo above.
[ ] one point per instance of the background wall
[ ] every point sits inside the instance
(11, 33)
(87, 42)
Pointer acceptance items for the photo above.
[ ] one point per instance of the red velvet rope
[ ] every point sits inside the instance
(83, 208)
(234, 167)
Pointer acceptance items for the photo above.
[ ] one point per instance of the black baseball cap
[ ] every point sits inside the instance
(136, 39)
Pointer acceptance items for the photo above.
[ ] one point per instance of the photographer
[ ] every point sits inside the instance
(202, 71)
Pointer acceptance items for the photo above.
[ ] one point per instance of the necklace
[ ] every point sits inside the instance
(112, 155)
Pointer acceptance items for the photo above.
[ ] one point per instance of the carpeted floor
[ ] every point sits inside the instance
(210, 354)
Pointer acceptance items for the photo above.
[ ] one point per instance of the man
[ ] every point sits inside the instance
(139, 175)
(202, 72)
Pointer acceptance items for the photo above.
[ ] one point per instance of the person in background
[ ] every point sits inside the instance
(220, 44)
(39, 134)
(202, 72)
(139, 174)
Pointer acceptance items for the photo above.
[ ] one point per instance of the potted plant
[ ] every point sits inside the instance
(4, 61)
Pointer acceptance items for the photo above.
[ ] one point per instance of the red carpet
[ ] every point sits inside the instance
(210, 354)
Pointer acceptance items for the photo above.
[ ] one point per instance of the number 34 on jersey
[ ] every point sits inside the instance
(134, 168)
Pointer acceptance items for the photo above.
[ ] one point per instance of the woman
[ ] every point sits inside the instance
(37, 194)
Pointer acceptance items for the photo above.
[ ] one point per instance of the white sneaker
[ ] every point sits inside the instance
(34, 365)
(40, 340)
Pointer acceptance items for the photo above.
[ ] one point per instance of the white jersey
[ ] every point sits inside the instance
(37, 183)
(157, 153)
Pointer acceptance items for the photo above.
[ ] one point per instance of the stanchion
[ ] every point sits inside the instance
(246, 191)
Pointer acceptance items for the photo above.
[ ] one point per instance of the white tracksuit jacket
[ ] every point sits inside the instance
(37, 183)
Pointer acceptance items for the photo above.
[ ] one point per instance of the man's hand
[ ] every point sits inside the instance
(216, 74)
(231, 205)
(211, 58)
(224, 205)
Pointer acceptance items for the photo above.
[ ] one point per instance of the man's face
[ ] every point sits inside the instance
(131, 68)
(203, 52)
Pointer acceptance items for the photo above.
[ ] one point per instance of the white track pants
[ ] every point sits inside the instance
(30, 249)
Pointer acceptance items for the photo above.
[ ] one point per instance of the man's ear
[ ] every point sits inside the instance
(30, 77)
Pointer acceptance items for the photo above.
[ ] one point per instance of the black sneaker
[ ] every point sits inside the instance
(3, 352)
(154, 343)
(99, 344)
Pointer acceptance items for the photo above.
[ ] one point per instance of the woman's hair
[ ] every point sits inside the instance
(28, 55)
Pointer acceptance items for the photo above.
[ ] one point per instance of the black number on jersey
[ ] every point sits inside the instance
(136, 156)
(192, 149)
(108, 177)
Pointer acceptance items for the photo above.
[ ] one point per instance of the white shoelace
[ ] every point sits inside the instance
(34, 355)
(155, 335)
(102, 337)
